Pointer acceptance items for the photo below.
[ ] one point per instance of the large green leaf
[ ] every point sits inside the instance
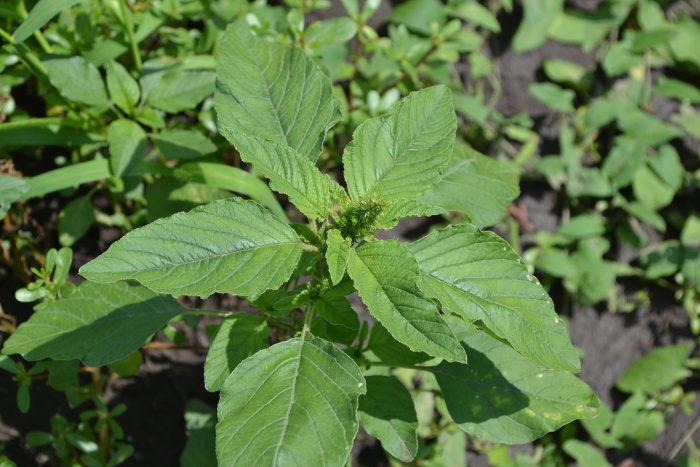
(99, 324)
(229, 245)
(476, 185)
(272, 91)
(77, 80)
(238, 337)
(127, 142)
(503, 397)
(12, 189)
(478, 276)
(386, 276)
(401, 155)
(388, 414)
(289, 173)
(40, 14)
(292, 404)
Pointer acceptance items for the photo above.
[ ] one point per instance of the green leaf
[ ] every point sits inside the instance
(538, 16)
(280, 398)
(167, 196)
(337, 254)
(128, 366)
(476, 13)
(178, 90)
(401, 155)
(553, 96)
(589, 29)
(77, 80)
(655, 184)
(386, 275)
(330, 32)
(338, 311)
(273, 92)
(690, 235)
(127, 142)
(391, 351)
(289, 173)
(234, 179)
(417, 14)
(41, 13)
(238, 337)
(563, 71)
(75, 220)
(676, 89)
(635, 423)
(388, 414)
(585, 454)
(182, 144)
(11, 190)
(45, 131)
(66, 177)
(582, 226)
(478, 276)
(476, 185)
(122, 87)
(657, 371)
(232, 246)
(406, 208)
(646, 128)
(502, 397)
(98, 324)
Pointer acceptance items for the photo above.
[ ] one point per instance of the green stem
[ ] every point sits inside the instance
(136, 54)
(309, 314)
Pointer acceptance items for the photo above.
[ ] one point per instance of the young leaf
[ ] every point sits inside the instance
(477, 275)
(77, 80)
(98, 324)
(11, 190)
(40, 14)
(289, 173)
(337, 255)
(279, 399)
(502, 397)
(385, 275)
(274, 92)
(182, 144)
(476, 185)
(401, 155)
(238, 337)
(388, 414)
(231, 245)
(127, 142)
(122, 87)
